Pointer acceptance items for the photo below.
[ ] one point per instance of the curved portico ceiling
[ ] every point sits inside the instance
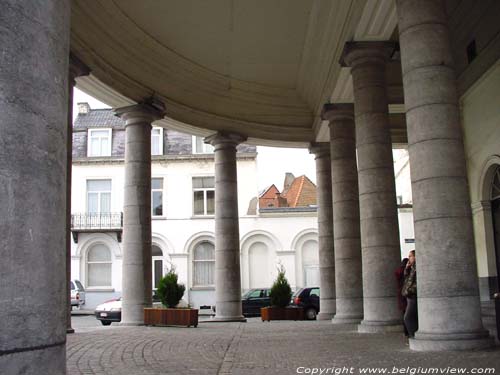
(262, 68)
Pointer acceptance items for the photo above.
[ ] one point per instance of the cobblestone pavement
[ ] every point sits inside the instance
(257, 348)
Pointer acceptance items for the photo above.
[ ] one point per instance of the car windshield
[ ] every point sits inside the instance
(297, 292)
(247, 293)
(72, 285)
(79, 285)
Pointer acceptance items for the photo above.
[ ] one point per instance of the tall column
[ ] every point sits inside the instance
(33, 115)
(76, 69)
(136, 278)
(345, 199)
(321, 152)
(377, 191)
(227, 234)
(448, 295)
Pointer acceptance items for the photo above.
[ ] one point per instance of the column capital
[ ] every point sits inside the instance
(320, 149)
(481, 206)
(147, 111)
(356, 53)
(223, 139)
(338, 111)
(76, 68)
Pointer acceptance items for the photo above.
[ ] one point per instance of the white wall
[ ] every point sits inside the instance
(176, 233)
(481, 123)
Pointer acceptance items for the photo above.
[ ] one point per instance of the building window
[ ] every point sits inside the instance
(99, 142)
(157, 141)
(98, 196)
(495, 186)
(157, 196)
(204, 264)
(99, 266)
(310, 263)
(203, 195)
(200, 147)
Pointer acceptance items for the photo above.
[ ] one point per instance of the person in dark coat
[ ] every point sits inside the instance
(399, 274)
(410, 292)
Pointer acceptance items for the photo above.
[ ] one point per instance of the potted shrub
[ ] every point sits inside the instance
(280, 298)
(170, 293)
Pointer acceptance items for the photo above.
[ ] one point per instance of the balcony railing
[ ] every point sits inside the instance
(97, 221)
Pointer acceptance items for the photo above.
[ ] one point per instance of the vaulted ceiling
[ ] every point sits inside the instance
(263, 68)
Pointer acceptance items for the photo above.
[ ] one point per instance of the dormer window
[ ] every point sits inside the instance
(99, 142)
(200, 147)
(157, 141)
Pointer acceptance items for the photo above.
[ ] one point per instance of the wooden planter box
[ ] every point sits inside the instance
(170, 317)
(281, 313)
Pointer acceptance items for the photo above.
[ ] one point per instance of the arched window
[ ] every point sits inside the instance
(310, 263)
(495, 186)
(258, 263)
(204, 264)
(99, 266)
(157, 255)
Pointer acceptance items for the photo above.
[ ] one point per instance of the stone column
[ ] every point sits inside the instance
(76, 69)
(321, 152)
(33, 131)
(448, 296)
(377, 192)
(227, 234)
(136, 278)
(345, 198)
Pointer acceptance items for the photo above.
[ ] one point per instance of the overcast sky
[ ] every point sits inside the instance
(272, 162)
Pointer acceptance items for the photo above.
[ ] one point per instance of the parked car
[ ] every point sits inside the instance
(308, 299)
(109, 311)
(253, 300)
(77, 293)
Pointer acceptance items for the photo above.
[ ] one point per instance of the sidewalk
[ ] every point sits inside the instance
(259, 347)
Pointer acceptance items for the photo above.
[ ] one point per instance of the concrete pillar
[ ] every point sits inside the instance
(76, 69)
(377, 191)
(448, 295)
(33, 130)
(325, 230)
(227, 234)
(345, 199)
(136, 278)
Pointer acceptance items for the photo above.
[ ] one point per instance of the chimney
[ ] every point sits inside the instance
(289, 177)
(83, 108)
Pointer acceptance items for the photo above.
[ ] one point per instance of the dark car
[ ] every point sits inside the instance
(253, 300)
(308, 299)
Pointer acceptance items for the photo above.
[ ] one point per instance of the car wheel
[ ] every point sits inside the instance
(106, 322)
(311, 313)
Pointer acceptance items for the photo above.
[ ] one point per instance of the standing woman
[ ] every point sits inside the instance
(400, 280)
(410, 292)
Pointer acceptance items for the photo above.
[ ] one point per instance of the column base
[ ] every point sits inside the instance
(70, 330)
(380, 327)
(347, 319)
(455, 341)
(325, 316)
(223, 319)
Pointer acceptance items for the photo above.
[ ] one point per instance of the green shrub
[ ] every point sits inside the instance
(169, 291)
(280, 291)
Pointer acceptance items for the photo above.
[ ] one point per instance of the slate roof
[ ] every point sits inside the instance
(98, 118)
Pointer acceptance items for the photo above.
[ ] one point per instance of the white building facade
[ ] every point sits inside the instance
(182, 199)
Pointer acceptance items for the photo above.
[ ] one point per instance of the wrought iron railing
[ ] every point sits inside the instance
(97, 220)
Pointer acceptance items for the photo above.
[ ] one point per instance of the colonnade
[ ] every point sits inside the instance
(359, 239)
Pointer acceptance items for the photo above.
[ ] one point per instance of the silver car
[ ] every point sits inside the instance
(77, 293)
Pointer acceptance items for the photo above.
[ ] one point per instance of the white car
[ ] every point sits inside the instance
(109, 311)
(77, 293)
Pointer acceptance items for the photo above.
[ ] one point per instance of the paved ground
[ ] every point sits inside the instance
(254, 347)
